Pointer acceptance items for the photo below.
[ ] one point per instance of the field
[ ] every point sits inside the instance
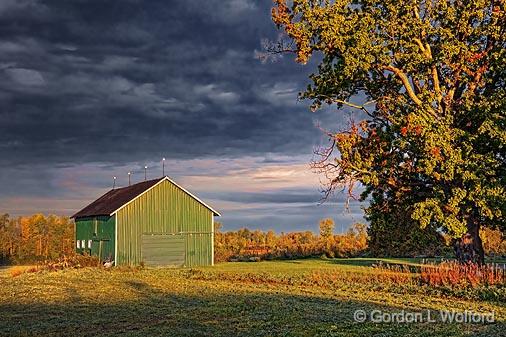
(278, 298)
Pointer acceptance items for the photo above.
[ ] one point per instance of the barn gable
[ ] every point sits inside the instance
(115, 199)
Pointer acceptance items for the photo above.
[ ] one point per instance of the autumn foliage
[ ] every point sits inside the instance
(244, 244)
(35, 238)
(462, 275)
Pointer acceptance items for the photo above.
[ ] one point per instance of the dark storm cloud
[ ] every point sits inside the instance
(117, 81)
(279, 196)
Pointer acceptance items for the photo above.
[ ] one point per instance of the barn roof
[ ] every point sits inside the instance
(112, 201)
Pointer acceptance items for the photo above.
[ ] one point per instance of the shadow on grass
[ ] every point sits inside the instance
(369, 261)
(357, 262)
(155, 312)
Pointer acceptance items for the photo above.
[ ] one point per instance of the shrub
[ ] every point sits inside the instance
(71, 261)
(16, 271)
(453, 274)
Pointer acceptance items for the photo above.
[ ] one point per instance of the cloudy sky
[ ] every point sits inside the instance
(92, 89)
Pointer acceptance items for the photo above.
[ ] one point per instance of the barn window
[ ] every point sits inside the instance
(83, 244)
(89, 244)
(78, 243)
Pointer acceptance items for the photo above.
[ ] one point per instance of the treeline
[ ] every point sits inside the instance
(35, 238)
(360, 240)
(38, 237)
(245, 244)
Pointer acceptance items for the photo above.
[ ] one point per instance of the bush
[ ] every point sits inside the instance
(453, 274)
(16, 271)
(71, 261)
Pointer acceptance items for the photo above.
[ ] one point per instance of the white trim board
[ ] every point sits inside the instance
(180, 187)
(212, 240)
(116, 240)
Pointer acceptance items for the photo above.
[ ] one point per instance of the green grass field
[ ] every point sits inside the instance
(281, 298)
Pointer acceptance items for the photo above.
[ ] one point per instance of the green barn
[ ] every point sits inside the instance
(155, 222)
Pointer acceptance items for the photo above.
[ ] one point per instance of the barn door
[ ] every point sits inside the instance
(163, 250)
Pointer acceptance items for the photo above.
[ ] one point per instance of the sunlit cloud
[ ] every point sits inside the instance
(256, 192)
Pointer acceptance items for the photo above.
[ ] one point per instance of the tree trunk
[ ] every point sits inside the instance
(469, 248)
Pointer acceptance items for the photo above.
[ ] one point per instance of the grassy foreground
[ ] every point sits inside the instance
(282, 298)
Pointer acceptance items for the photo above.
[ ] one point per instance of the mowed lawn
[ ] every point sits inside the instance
(277, 298)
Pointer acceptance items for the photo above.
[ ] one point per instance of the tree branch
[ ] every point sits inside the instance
(420, 45)
(405, 81)
(435, 76)
(426, 50)
(353, 105)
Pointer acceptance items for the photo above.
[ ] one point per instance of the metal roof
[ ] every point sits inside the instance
(114, 200)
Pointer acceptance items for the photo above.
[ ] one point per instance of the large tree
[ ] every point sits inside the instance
(431, 74)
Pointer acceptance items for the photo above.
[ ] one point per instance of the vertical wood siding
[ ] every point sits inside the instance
(98, 228)
(167, 210)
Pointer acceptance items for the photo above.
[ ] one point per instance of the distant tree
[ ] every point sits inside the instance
(4, 237)
(494, 242)
(28, 239)
(327, 228)
(327, 237)
(60, 236)
(431, 134)
(352, 243)
(217, 226)
(270, 239)
(360, 231)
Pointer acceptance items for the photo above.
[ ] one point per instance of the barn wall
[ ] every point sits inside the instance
(98, 228)
(165, 209)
